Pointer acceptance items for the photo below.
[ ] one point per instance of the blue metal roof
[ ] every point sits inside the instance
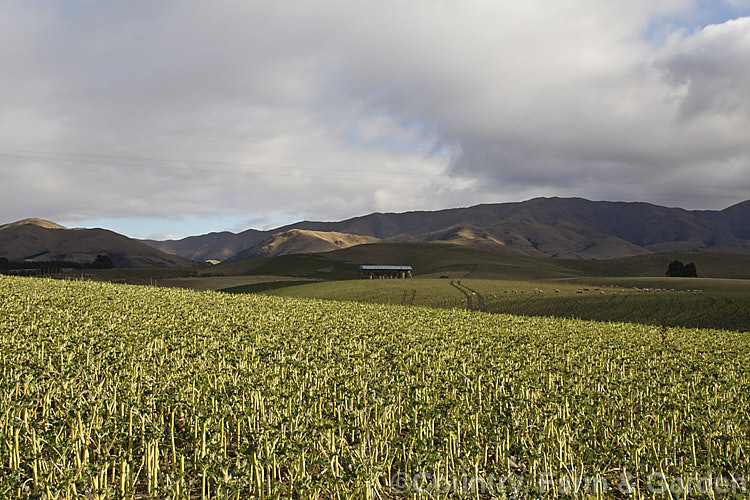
(384, 268)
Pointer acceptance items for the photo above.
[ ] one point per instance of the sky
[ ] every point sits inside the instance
(180, 117)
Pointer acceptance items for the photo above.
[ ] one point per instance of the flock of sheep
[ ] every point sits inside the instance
(596, 289)
(603, 292)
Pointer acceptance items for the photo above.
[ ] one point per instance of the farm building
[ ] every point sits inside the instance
(385, 272)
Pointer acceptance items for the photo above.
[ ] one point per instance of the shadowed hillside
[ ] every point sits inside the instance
(39, 240)
(456, 261)
(566, 228)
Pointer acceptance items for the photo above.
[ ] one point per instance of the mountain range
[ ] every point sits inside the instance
(40, 240)
(545, 227)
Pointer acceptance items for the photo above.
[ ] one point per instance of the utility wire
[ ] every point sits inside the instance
(294, 171)
(47, 155)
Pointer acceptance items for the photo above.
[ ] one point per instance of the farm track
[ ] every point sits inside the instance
(408, 298)
(470, 293)
(480, 298)
(466, 294)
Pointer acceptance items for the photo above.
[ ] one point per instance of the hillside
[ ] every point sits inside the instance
(213, 246)
(34, 222)
(40, 240)
(295, 241)
(567, 228)
(457, 261)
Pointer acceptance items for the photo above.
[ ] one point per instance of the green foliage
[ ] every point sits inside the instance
(132, 392)
(677, 269)
(102, 262)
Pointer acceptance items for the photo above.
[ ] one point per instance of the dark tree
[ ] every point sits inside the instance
(689, 271)
(677, 269)
(4, 263)
(102, 262)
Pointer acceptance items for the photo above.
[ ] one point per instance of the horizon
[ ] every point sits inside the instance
(176, 118)
(210, 231)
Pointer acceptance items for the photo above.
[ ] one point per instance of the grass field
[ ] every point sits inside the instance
(435, 260)
(673, 301)
(116, 391)
(460, 262)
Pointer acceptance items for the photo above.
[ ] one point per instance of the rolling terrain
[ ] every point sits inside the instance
(723, 304)
(296, 241)
(41, 240)
(457, 261)
(213, 246)
(564, 228)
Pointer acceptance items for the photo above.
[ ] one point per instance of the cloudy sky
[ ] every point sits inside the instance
(181, 117)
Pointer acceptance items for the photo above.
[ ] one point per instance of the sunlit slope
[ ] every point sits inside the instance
(295, 241)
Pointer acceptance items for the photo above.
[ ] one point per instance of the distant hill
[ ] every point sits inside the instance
(33, 221)
(570, 228)
(296, 241)
(212, 246)
(41, 240)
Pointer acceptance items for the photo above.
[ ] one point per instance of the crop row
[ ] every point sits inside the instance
(113, 391)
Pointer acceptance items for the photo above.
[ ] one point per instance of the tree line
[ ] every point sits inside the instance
(677, 269)
(52, 266)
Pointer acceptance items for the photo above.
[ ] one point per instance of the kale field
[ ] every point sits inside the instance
(118, 391)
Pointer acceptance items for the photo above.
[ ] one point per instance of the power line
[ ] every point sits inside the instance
(48, 155)
(189, 166)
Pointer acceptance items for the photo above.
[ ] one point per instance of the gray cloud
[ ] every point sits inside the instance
(334, 109)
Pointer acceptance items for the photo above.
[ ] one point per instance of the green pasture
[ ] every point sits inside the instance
(691, 302)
